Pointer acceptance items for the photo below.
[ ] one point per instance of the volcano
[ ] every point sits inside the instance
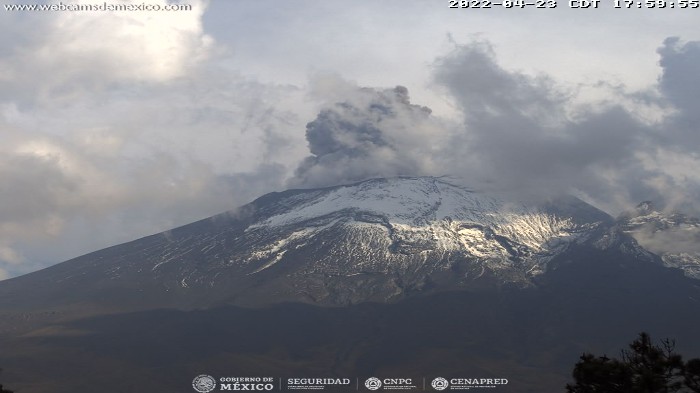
(416, 277)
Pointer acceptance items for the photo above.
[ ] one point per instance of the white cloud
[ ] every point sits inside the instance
(66, 54)
(118, 125)
(8, 255)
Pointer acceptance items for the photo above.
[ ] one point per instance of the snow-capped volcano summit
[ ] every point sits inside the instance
(402, 226)
(377, 240)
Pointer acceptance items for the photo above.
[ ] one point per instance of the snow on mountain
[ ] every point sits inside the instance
(675, 237)
(377, 240)
(403, 226)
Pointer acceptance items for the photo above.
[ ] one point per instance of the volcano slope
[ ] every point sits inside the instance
(402, 277)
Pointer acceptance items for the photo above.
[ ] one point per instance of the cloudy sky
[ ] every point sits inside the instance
(116, 125)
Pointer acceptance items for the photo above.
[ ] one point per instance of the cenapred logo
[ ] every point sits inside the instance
(439, 383)
(373, 383)
(204, 383)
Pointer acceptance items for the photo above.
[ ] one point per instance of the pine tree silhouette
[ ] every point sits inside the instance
(643, 368)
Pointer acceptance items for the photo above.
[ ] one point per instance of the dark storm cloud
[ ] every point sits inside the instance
(520, 133)
(517, 129)
(680, 81)
(680, 84)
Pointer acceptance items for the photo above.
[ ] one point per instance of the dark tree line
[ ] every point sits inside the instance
(643, 368)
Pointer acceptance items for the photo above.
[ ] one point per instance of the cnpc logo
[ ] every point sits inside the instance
(374, 383)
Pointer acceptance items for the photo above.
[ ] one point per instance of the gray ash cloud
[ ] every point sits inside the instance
(518, 132)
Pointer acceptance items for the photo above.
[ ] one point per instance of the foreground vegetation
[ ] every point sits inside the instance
(643, 368)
